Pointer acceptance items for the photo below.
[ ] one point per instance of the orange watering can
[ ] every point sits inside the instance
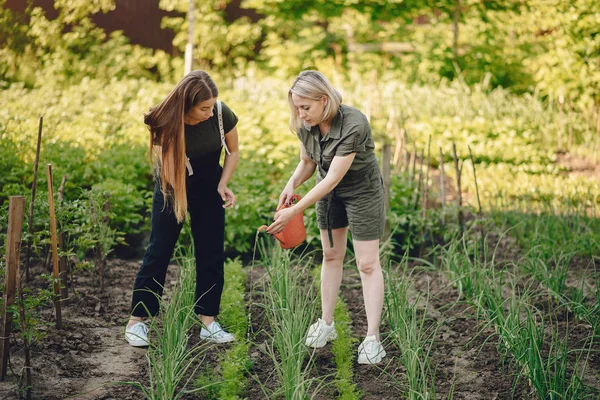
(294, 232)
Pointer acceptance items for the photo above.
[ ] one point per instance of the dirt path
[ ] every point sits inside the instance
(87, 357)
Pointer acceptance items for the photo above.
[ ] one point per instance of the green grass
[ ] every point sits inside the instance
(289, 303)
(409, 333)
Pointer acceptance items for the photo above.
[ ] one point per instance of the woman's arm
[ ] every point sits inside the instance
(339, 167)
(305, 169)
(231, 160)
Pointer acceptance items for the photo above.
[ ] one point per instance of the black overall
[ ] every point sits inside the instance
(207, 216)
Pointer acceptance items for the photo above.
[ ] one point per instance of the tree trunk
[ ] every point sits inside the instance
(455, 29)
(189, 47)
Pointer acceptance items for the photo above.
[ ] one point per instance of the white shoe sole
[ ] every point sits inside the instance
(219, 341)
(363, 359)
(316, 344)
(137, 342)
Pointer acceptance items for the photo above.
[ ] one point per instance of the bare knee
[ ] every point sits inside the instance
(333, 257)
(368, 266)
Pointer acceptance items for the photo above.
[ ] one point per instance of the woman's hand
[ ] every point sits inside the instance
(227, 196)
(285, 198)
(281, 219)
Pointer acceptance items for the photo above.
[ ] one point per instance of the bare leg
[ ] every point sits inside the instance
(369, 266)
(207, 320)
(331, 271)
(134, 320)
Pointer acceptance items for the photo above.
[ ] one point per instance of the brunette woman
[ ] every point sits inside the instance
(188, 130)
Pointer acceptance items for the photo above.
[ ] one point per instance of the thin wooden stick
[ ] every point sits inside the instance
(33, 187)
(405, 162)
(398, 151)
(426, 183)
(16, 211)
(458, 167)
(54, 249)
(413, 161)
(443, 186)
(418, 194)
(387, 179)
(480, 213)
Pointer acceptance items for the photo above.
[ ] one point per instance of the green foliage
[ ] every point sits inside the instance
(343, 351)
(34, 302)
(125, 205)
(71, 47)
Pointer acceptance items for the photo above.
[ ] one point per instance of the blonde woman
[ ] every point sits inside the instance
(336, 140)
(188, 130)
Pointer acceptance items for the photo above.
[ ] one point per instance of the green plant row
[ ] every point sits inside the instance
(555, 240)
(289, 307)
(343, 352)
(409, 333)
(524, 332)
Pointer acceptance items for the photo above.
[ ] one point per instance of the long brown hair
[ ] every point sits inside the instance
(165, 122)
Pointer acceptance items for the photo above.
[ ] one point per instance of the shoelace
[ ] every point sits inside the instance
(216, 331)
(371, 348)
(140, 331)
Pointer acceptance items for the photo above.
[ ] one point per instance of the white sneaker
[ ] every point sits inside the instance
(137, 335)
(370, 351)
(320, 333)
(214, 333)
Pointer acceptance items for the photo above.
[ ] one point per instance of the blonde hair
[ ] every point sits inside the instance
(166, 125)
(313, 85)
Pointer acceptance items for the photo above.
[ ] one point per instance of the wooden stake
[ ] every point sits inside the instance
(418, 194)
(387, 179)
(425, 192)
(443, 185)
(398, 151)
(16, 212)
(55, 266)
(426, 183)
(480, 213)
(33, 187)
(458, 167)
(413, 161)
(406, 155)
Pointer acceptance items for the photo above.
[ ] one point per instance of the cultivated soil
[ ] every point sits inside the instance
(89, 359)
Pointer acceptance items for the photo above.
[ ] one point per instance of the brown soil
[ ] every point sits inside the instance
(578, 166)
(89, 357)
